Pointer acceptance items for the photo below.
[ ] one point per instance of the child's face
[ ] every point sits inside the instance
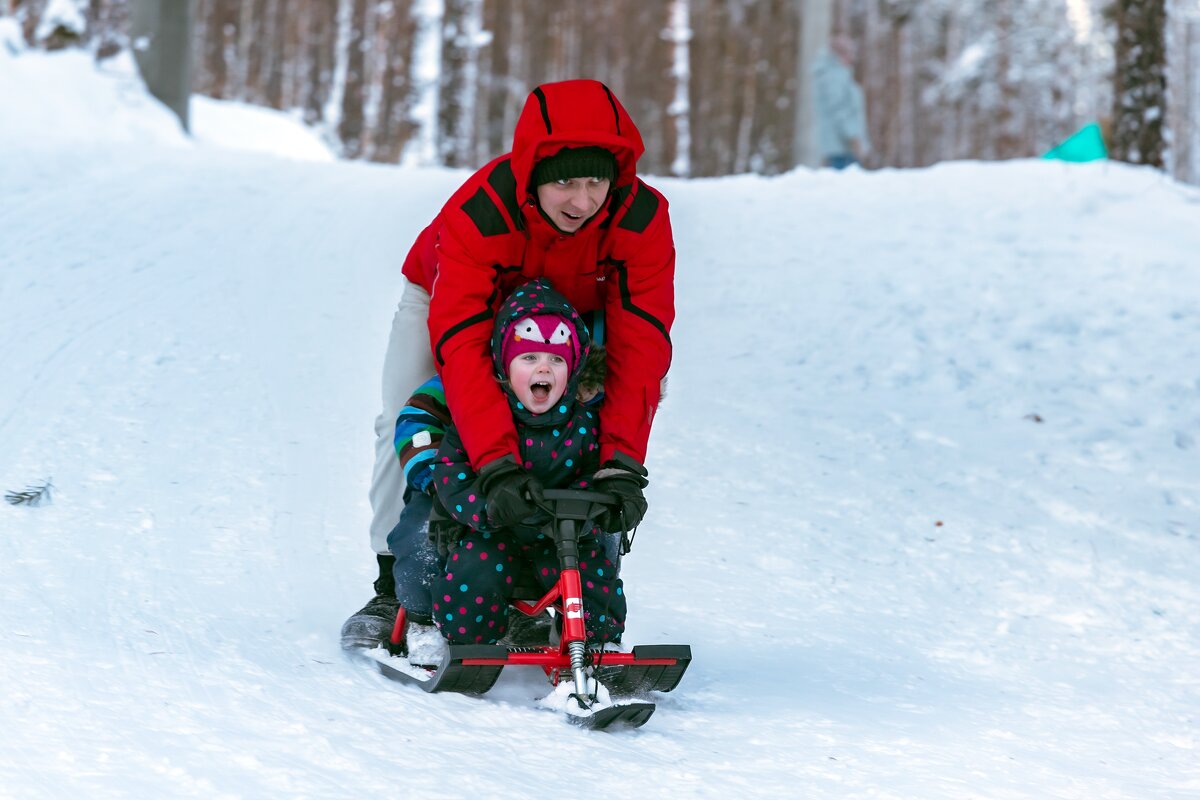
(538, 380)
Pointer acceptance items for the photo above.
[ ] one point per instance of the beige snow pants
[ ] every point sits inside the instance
(407, 364)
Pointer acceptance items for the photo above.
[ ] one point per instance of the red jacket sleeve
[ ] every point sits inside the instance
(420, 265)
(461, 312)
(639, 315)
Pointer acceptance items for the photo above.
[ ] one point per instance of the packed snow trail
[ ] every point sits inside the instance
(924, 491)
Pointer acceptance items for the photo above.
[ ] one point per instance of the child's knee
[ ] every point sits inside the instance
(470, 603)
(605, 608)
(603, 625)
(476, 621)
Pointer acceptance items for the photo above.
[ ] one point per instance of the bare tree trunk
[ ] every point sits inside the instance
(641, 75)
(164, 60)
(496, 84)
(1139, 84)
(252, 42)
(218, 29)
(1007, 139)
(539, 39)
(1190, 160)
(394, 128)
(321, 46)
(717, 60)
(461, 24)
(772, 131)
(108, 26)
(351, 126)
(277, 51)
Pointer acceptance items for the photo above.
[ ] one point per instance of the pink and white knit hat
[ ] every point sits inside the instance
(541, 333)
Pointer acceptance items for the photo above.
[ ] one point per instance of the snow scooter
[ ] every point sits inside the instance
(474, 669)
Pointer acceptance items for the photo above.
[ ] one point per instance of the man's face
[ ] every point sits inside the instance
(538, 380)
(573, 201)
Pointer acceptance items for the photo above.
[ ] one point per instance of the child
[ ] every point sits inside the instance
(419, 430)
(420, 541)
(539, 346)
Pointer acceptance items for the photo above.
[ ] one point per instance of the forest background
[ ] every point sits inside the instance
(717, 86)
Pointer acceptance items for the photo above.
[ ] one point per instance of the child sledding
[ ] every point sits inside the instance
(552, 518)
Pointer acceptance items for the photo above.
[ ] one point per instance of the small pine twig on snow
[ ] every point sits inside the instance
(31, 496)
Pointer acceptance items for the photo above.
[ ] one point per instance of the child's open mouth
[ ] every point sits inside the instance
(540, 391)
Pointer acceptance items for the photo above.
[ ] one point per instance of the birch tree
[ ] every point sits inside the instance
(1183, 89)
(679, 133)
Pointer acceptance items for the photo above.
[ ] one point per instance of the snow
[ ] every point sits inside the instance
(561, 698)
(12, 42)
(239, 126)
(970, 63)
(63, 102)
(925, 496)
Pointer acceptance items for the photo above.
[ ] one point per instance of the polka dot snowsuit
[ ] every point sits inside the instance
(471, 605)
(561, 447)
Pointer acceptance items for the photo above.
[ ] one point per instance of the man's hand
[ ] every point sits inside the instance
(624, 479)
(511, 493)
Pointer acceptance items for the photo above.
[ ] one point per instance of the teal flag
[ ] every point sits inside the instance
(1086, 144)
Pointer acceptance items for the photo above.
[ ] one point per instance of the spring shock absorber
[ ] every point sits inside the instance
(566, 535)
(578, 651)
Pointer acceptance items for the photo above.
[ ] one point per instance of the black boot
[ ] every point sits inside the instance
(372, 624)
(527, 631)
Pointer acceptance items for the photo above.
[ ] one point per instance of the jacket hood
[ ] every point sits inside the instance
(539, 297)
(574, 113)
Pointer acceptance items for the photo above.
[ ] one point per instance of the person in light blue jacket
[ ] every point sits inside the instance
(841, 118)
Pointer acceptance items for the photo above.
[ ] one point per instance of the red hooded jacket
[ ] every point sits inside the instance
(491, 236)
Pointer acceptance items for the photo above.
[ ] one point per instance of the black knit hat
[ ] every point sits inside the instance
(575, 162)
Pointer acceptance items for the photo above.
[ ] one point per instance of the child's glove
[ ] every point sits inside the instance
(511, 493)
(624, 479)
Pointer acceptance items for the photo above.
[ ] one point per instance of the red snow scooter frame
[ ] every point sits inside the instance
(474, 669)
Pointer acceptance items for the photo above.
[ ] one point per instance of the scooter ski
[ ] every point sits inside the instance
(627, 677)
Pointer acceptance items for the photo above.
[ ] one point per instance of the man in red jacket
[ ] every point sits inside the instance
(566, 204)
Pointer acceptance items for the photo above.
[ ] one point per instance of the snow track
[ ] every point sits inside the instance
(924, 492)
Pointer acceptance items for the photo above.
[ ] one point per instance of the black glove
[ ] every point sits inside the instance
(512, 494)
(444, 531)
(624, 479)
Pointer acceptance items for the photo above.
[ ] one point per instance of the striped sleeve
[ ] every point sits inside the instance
(419, 430)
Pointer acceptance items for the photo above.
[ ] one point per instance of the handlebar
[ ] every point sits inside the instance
(586, 495)
(568, 508)
(575, 504)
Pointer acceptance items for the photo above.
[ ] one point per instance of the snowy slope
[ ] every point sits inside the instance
(925, 493)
